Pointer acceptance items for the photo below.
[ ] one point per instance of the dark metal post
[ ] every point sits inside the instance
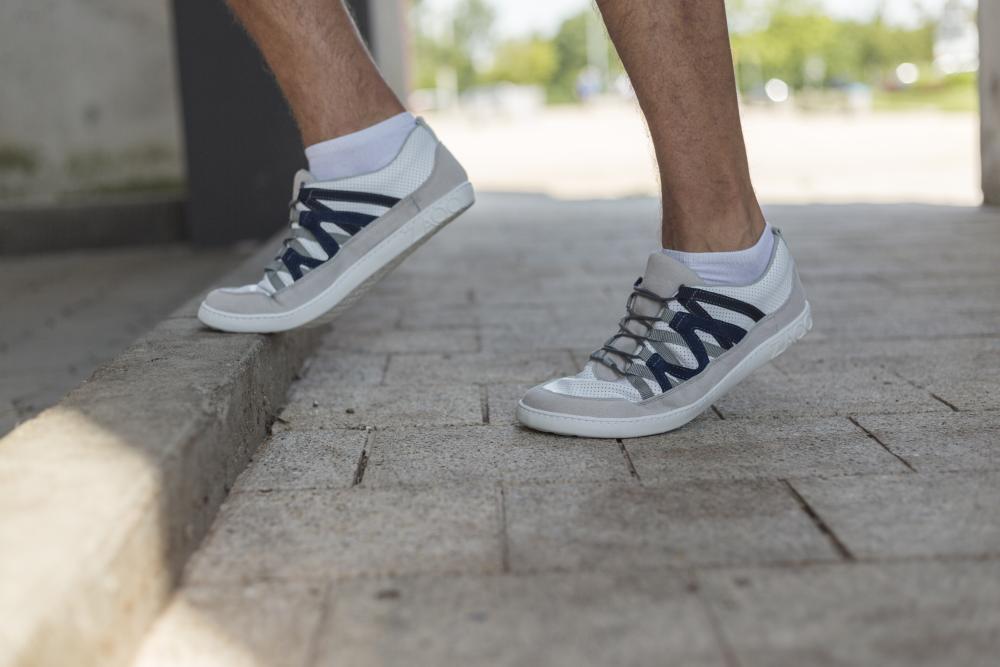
(241, 141)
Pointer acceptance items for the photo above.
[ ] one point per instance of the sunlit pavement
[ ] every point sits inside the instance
(795, 157)
(842, 506)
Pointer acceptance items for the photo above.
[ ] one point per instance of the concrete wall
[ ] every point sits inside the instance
(88, 101)
(989, 97)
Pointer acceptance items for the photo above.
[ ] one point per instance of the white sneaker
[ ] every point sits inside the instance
(679, 349)
(346, 235)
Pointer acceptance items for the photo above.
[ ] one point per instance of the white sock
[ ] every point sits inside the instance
(738, 267)
(360, 152)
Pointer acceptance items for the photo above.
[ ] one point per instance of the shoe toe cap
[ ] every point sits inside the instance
(247, 300)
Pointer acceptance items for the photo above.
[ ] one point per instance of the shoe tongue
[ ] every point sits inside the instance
(663, 276)
(301, 178)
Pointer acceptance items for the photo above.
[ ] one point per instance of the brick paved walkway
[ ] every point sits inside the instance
(841, 507)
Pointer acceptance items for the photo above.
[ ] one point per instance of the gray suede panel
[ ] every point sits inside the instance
(683, 394)
(242, 302)
(663, 276)
(445, 177)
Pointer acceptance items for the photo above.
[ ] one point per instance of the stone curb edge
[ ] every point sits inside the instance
(104, 496)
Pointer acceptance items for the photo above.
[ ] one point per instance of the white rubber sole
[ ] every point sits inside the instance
(635, 427)
(358, 278)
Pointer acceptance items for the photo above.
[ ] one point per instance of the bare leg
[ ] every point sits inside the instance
(321, 64)
(677, 54)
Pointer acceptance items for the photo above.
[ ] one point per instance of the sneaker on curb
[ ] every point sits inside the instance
(346, 234)
(679, 348)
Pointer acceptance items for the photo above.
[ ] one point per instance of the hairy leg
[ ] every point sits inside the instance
(321, 64)
(677, 55)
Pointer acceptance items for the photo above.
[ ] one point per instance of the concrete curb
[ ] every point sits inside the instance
(104, 496)
(102, 223)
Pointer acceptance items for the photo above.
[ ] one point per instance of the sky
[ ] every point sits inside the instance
(521, 17)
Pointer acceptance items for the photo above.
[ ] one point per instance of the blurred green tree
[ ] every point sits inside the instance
(803, 46)
(530, 61)
(461, 46)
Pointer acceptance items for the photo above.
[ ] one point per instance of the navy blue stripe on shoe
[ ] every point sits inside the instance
(350, 221)
(309, 196)
(294, 262)
(687, 294)
(659, 367)
(310, 221)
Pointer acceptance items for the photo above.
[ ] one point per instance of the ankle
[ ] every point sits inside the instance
(723, 231)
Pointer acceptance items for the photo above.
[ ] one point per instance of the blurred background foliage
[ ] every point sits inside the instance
(825, 62)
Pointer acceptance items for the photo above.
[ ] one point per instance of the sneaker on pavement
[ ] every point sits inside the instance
(679, 348)
(346, 234)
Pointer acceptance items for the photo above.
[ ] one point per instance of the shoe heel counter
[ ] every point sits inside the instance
(446, 175)
(796, 294)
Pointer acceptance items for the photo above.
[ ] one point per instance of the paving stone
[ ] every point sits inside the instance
(330, 371)
(235, 626)
(964, 376)
(917, 360)
(502, 400)
(940, 442)
(488, 453)
(967, 394)
(879, 516)
(906, 614)
(770, 393)
(399, 405)
(326, 534)
(408, 342)
(743, 448)
(550, 619)
(618, 526)
(464, 316)
(400, 289)
(522, 328)
(516, 367)
(304, 460)
(902, 318)
(367, 316)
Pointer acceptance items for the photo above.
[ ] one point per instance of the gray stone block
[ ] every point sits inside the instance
(380, 407)
(904, 614)
(561, 334)
(329, 371)
(304, 460)
(551, 619)
(620, 527)
(971, 394)
(771, 449)
(270, 623)
(940, 442)
(771, 393)
(920, 361)
(398, 341)
(460, 316)
(502, 401)
(486, 367)
(331, 534)
(488, 453)
(882, 516)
